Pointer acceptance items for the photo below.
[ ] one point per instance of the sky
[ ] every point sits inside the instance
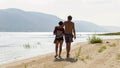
(100, 12)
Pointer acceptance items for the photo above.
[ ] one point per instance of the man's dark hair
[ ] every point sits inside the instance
(69, 17)
(60, 23)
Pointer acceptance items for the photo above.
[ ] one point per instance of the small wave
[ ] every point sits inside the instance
(8, 45)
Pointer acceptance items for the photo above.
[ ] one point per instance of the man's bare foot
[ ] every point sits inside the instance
(68, 55)
(60, 57)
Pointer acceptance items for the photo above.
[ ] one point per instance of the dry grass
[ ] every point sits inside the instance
(112, 45)
(77, 54)
(102, 48)
(118, 56)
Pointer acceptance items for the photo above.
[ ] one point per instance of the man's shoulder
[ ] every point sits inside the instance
(65, 21)
(72, 22)
(68, 22)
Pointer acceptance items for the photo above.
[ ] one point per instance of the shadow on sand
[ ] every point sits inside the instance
(72, 60)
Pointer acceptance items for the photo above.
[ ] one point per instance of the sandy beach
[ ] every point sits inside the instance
(89, 57)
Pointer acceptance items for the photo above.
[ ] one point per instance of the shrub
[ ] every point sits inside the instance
(94, 39)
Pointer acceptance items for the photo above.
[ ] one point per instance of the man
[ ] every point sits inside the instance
(69, 34)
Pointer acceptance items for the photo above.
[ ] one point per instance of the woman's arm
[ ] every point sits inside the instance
(55, 29)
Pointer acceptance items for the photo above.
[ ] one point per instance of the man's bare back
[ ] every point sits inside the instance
(69, 26)
(69, 34)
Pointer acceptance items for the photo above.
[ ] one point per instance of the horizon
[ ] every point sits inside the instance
(101, 12)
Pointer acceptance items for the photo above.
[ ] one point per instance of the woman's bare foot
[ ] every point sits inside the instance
(55, 56)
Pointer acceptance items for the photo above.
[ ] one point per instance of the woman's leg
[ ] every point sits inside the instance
(56, 48)
(60, 48)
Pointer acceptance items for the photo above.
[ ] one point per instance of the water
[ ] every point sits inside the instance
(20, 45)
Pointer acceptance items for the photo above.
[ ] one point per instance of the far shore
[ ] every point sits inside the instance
(89, 57)
(110, 33)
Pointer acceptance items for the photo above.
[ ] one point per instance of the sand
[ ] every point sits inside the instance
(89, 57)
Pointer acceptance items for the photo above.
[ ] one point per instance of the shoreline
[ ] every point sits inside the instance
(23, 58)
(29, 59)
(95, 58)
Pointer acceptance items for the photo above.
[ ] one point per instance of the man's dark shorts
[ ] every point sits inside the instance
(68, 37)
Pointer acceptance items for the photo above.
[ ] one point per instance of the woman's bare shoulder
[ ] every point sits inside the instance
(56, 26)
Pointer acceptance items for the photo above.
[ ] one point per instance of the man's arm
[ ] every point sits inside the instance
(74, 31)
(63, 24)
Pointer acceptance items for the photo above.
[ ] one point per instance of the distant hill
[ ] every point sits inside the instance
(19, 20)
(86, 26)
(16, 20)
(112, 28)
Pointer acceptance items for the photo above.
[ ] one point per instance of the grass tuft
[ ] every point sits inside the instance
(88, 57)
(94, 40)
(27, 46)
(83, 58)
(25, 66)
(77, 54)
(118, 56)
(112, 45)
(102, 48)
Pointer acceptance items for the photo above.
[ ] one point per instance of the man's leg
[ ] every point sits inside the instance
(68, 45)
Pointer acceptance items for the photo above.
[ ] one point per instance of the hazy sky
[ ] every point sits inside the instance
(101, 12)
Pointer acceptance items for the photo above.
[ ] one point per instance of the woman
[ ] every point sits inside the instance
(58, 32)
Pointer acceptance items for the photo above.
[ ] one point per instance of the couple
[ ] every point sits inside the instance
(66, 29)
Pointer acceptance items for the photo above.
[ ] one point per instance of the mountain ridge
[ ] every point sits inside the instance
(17, 20)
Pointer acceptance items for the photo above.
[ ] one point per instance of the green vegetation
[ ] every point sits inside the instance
(88, 57)
(102, 48)
(118, 56)
(112, 45)
(78, 55)
(27, 46)
(83, 58)
(94, 39)
(25, 66)
(115, 33)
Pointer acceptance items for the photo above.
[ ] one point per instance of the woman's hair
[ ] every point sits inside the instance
(60, 23)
